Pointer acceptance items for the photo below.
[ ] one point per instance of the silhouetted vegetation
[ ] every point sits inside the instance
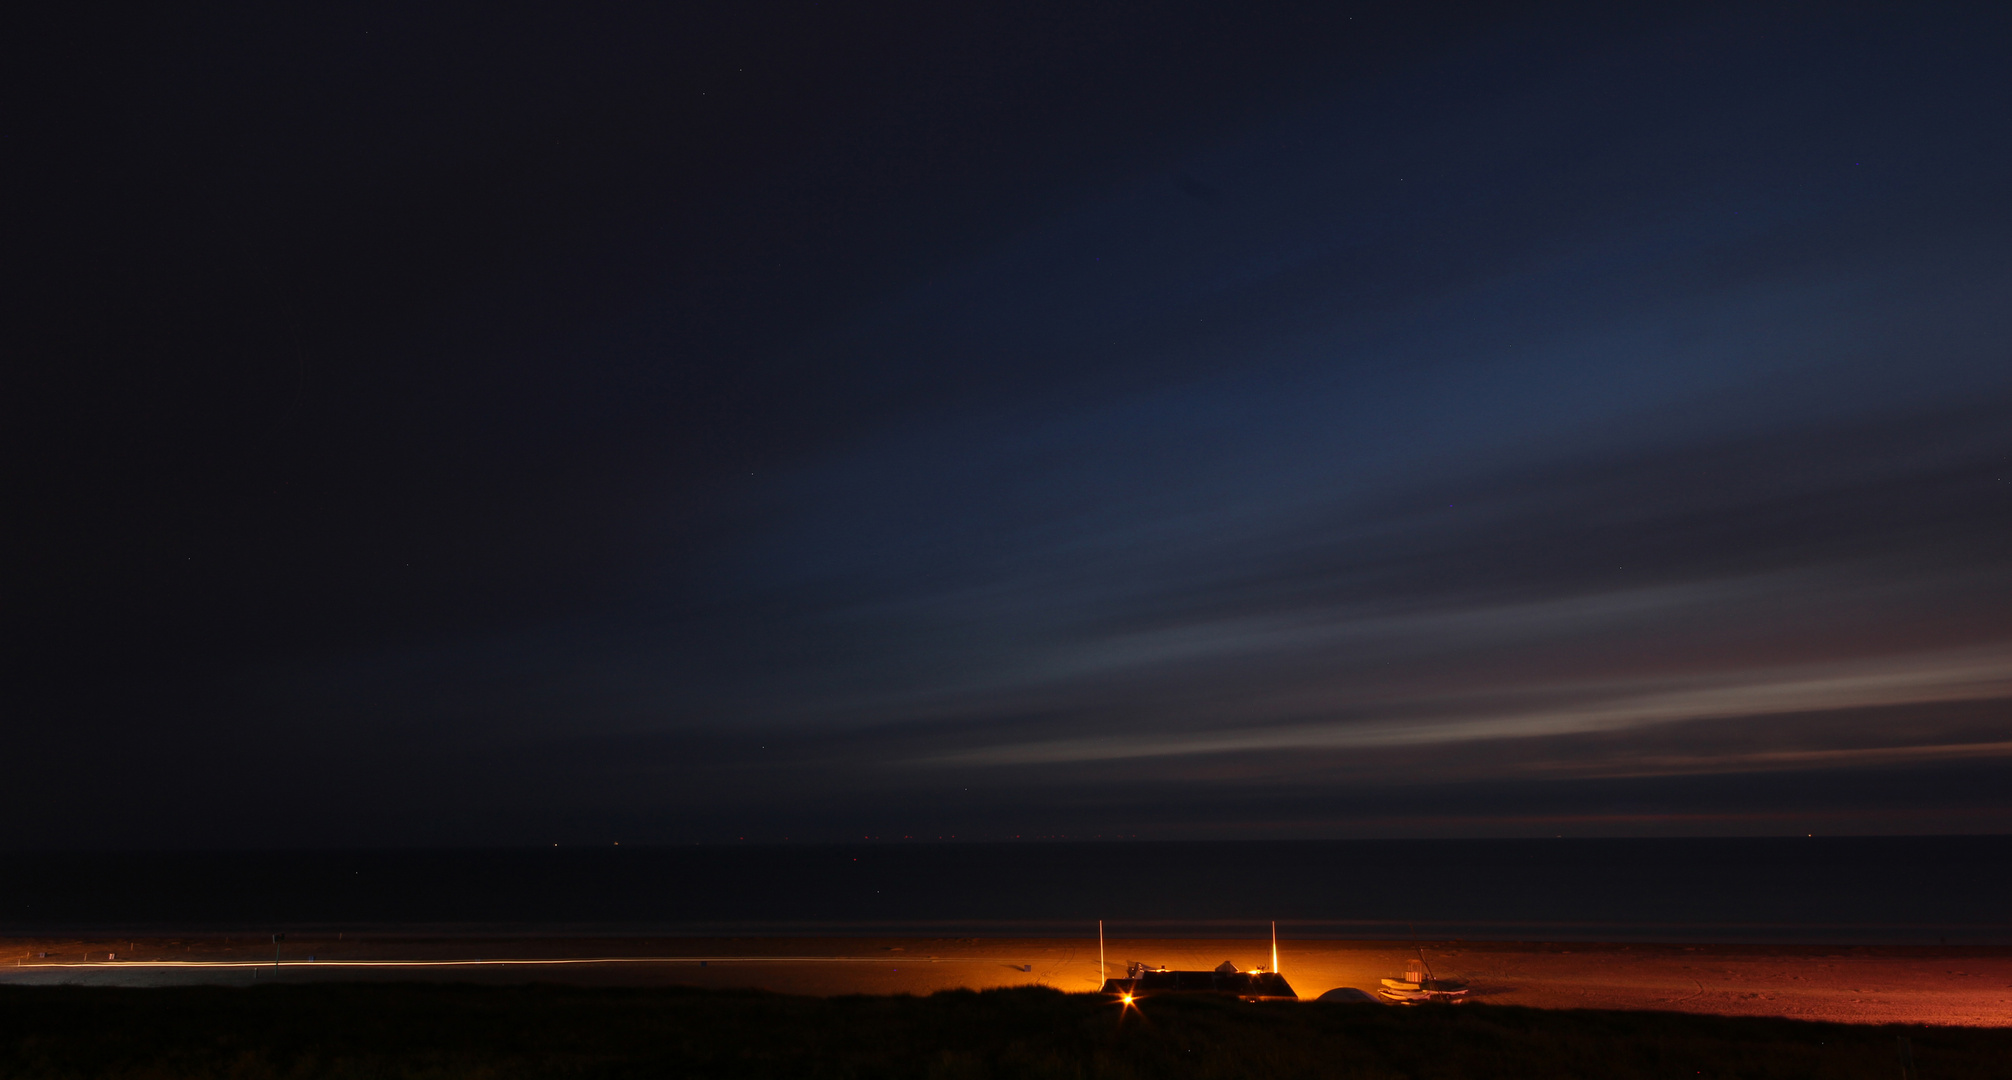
(410, 1030)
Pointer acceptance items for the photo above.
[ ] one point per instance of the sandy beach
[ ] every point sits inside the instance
(1855, 985)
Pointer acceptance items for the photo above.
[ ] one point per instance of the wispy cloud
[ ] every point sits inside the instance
(1959, 675)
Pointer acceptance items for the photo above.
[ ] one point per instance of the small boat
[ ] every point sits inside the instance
(1418, 987)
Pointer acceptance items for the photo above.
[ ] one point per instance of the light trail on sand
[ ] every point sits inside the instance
(133, 964)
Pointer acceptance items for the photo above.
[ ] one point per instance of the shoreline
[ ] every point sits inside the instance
(1962, 985)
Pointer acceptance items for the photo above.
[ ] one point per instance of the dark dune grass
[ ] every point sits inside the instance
(420, 1030)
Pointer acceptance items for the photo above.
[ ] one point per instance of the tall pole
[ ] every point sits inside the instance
(1274, 946)
(1102, 972)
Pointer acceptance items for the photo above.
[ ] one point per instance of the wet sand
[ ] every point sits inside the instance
(1851, 985)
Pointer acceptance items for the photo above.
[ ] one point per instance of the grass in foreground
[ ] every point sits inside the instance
(415, 1030)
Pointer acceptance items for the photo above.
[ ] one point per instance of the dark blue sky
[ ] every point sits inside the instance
(504, 425)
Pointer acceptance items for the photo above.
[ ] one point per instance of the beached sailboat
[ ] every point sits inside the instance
(1418, 986)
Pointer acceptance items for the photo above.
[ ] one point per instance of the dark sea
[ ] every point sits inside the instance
(1886, 890)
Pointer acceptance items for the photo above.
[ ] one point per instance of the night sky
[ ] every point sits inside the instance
(736, 422)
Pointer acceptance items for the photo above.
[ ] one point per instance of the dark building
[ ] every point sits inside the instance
(1142, 980)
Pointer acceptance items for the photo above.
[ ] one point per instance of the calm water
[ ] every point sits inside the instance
(1844, 890)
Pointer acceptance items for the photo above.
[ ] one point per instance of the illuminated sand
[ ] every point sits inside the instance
(1857, 985)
